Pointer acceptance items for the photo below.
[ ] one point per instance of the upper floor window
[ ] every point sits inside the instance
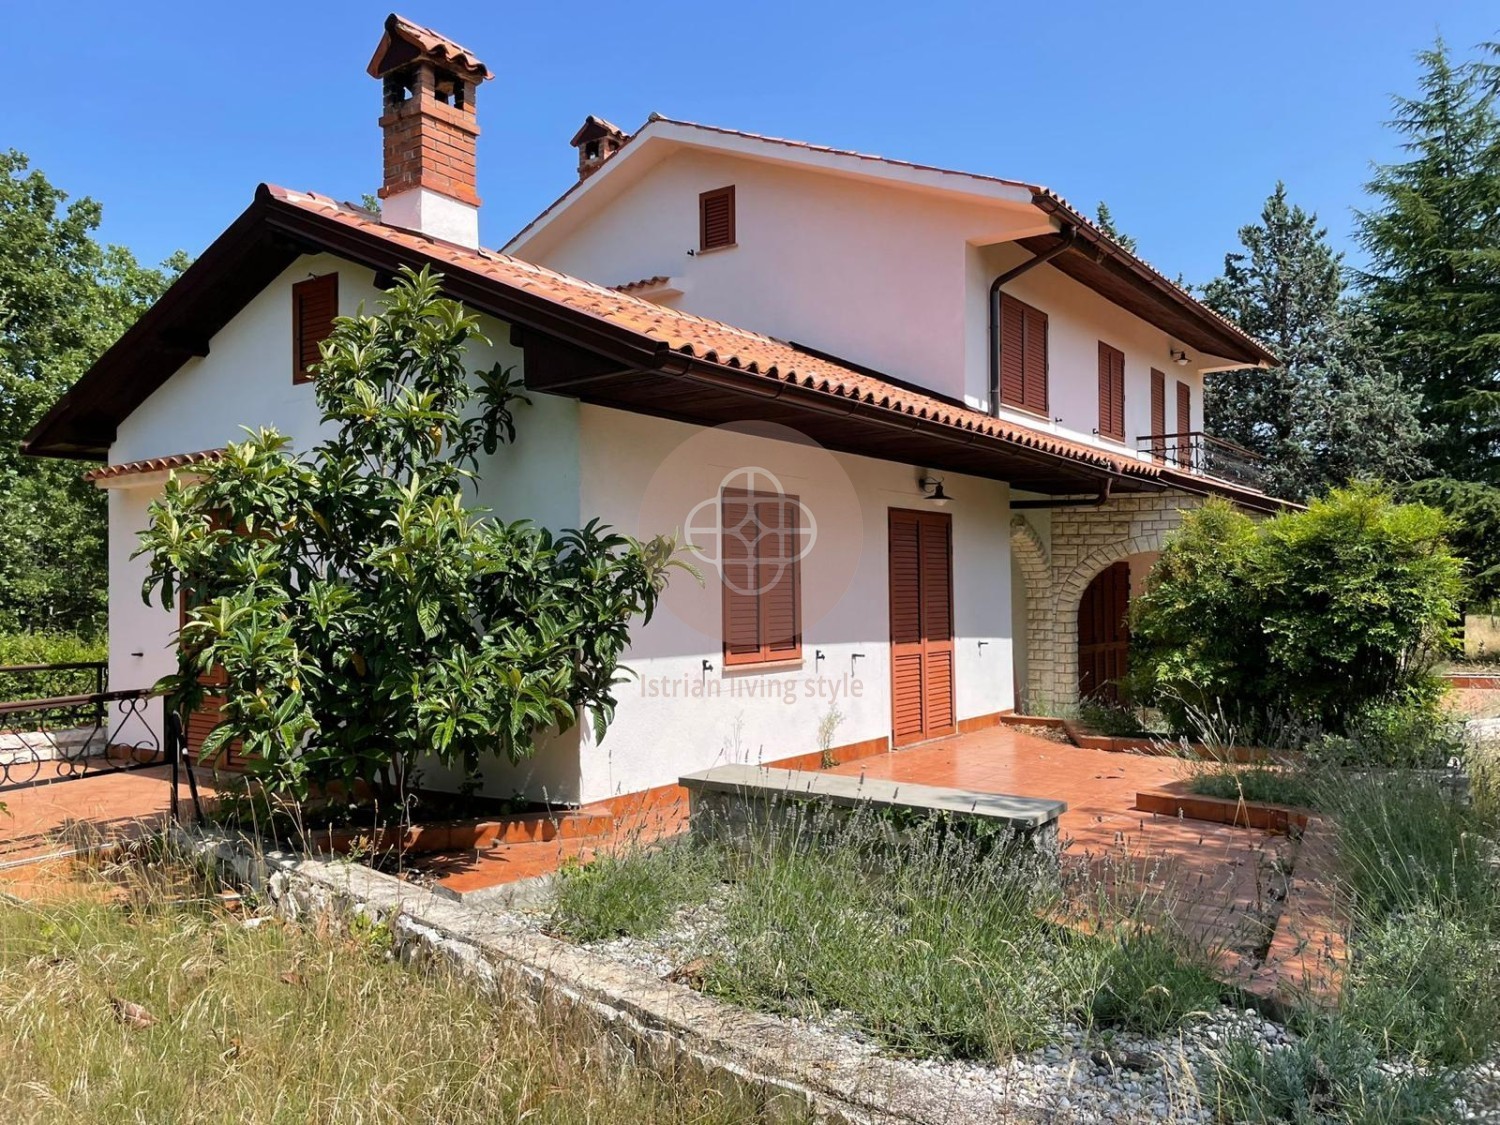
(1184, 408)
(1158, 414)
(716, 218)
(1023, 356)
(759, 549)
(315, 302)
(1111, 392)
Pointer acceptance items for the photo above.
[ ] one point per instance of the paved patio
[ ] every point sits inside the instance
(1222, 885)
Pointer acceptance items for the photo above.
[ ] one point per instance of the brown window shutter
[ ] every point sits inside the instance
(1158, 413)
(1111, 392)
(759, 545)
(1184, 408)
(1023, 356)
(315, 303)
(716, 218)
(1036, 361)
(780, 600)
(1012, 352)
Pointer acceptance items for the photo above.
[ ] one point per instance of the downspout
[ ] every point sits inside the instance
(1069, 237)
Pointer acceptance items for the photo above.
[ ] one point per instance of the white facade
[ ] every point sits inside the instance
(890, 272)
(643, 476)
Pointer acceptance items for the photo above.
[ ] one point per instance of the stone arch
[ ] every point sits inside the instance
(1030, 555)
(1148, 523)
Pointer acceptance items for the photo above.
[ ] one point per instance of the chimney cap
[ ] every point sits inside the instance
(405, 42)
(596, 128)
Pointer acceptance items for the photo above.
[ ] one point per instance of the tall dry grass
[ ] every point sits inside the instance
(164, 1008)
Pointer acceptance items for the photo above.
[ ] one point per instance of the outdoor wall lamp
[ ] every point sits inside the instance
(1179, 357)
(932, 489)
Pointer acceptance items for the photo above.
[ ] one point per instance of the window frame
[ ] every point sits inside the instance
(765, 654)
(704, 198)
(302, 291)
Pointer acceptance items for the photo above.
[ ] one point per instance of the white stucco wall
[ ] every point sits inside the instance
(886, 275)
(1077, 319)
(678, 716)
(571, 463)
(867, 273)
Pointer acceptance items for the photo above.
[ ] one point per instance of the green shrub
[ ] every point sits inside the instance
(1276, 785)
(1474, 511)
(634, 891)
(1325, 615)
(1329, 1074)
(48, 648)
(1152, 981)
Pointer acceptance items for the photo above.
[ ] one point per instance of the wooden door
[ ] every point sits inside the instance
(921, 567)
(1103, 634)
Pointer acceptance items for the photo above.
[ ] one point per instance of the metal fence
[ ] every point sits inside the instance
(46, 738)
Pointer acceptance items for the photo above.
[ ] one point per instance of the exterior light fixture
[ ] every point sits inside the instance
(932, 489)
(1179, 357)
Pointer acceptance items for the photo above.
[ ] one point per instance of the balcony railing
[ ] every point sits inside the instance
(1197, 452)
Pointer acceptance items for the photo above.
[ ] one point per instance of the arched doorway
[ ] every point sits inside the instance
(1103, 634)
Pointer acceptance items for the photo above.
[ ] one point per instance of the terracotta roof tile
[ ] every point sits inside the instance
(644, 283)
(431, 44)
(723, 344)
(152, 465)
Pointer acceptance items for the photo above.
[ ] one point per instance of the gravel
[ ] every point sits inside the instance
(1115, 1077)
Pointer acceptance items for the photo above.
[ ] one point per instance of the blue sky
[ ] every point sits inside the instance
(1182, 116)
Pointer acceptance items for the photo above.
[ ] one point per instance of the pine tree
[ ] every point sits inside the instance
(1433, 239)
(1106, 223)
(1332, 412)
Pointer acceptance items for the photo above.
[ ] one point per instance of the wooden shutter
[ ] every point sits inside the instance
(315, 302)
(1023, 356)
(1184, 408)
(759, 545)
(922, 659)
(906, 626)
(1158, 413)
(1111, 392)
(716, 218)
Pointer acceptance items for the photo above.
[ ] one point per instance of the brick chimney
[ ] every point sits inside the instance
(596, 141)
(430, 131)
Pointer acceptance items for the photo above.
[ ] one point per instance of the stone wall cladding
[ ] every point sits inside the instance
(1083, 542)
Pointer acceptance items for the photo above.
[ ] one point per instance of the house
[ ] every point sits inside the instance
(925, 428)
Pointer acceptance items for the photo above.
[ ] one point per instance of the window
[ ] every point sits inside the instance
(1158, 414)
(1023, 356)
(716, 218)
(315, 302)
(759, 549)
(1111, 392)
(1184, 408)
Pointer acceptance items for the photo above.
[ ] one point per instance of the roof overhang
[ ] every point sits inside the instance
(568, 351)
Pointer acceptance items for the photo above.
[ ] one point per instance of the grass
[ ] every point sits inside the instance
(1277, 785)
(287, 1023)
(1421, 994)
(937, 942)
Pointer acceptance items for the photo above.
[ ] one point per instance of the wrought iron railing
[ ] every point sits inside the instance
(61, 737)
(1197, 452)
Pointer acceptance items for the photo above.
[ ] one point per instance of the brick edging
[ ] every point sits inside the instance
(1237, 813)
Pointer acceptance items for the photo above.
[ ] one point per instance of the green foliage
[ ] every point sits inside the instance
(1105, 221)
(635, 890)
(1332, 412)
(935, 941)
(1274, 785)
(64, 298)
(1416, 862)
(1321, 615)
(1329, 1074)
(1473, 510)
(365, 616)
(47, 648)
(1432, 287)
